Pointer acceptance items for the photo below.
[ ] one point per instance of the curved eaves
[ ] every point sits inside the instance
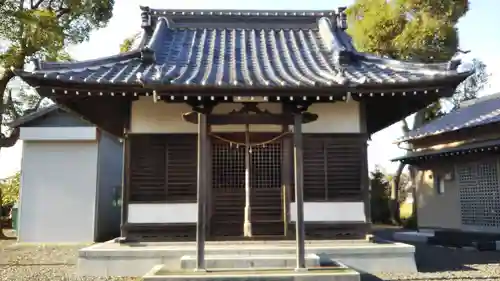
(64, 66)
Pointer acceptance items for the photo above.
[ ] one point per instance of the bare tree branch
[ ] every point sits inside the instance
(63, 11)
(49, 6)
(10, 141)
(9, 105)
(37, 4)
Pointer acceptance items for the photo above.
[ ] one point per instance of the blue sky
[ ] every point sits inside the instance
(478, 33)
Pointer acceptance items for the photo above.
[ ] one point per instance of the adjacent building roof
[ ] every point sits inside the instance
(477, 112)
(30, 118)
(256, 49)
(33, 116)
(455, 151)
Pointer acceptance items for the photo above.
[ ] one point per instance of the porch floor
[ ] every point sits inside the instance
(136, 259)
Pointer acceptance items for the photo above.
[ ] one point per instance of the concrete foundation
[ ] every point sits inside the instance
(343, 274)
(135, 260)
(413, 236)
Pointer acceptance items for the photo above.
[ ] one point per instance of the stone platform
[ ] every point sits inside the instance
(136, 259)
(340, 273)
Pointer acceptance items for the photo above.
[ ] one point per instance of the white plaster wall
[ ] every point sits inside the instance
(163, 213)
(330, 212)
(58, 133)
(58, 191)
(187, 212)
(339, 117)
(162, 117)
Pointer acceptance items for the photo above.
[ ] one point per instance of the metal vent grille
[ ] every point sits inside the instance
(479, 194)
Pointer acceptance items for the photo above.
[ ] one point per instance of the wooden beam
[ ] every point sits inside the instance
(241, 119)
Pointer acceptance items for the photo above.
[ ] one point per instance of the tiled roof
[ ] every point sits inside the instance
(34, 115)
(472, 113)
(258, 49)
(455, 151)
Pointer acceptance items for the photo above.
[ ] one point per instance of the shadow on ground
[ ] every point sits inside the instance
(430, 258)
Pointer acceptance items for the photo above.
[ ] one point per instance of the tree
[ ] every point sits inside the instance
(10, 189)
(418, 30)
(469, 89)
(39, 29)
(129, 42)
(380, 192)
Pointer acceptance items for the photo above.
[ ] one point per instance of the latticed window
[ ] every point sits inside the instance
(479, 194)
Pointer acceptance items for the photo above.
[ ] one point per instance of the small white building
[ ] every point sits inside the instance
(70, 179)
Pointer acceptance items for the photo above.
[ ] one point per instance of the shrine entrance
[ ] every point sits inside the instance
(229, 199)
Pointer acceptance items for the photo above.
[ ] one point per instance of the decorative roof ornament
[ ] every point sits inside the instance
(453, 64)
(158, 72)
(148, 55)
(147, 22)
(333, 43)
(457, 62)
(341, 77)
(341, 18)
(139, 77)
(37, 64)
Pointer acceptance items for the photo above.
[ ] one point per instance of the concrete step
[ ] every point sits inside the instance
(160, 273)
(249, 261)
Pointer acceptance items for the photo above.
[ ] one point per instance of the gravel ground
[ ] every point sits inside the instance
(58, 263)
(41, 263)
(439, 263)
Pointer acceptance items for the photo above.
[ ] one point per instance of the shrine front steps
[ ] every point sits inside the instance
(136, 259)
(245, 261)
(255, 267)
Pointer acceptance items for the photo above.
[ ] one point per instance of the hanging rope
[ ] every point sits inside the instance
(264, 143)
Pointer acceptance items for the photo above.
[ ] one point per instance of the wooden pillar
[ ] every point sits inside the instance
(365, 177)
(125, 186)
(208, 186)
(299, 190)
(286, 178)
(201, 192)
(247, 224)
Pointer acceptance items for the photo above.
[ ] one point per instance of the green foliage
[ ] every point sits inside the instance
(10, 189)
(422, 30)
(405, 211)
(418, 30)
(40, 29)
(380, 196)
(128, 43)
(44, 28)
(410, 222)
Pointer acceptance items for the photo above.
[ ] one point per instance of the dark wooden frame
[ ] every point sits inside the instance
(125, 177)
(287, 182)
(258, 119)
